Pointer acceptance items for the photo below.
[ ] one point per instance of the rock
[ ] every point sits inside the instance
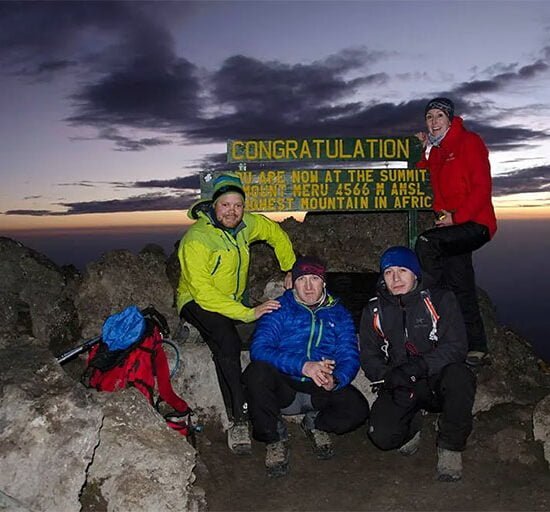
(7, 503)
(541, 425)
(511, 445)
(49, 428)
(35, 297)
(119, 279)
(140, 464)
(196, 382)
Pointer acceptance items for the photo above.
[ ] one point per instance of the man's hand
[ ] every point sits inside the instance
(415, 367)
(397, 378)
(407, 374)
(266, 307)
(320, 372)
(331, 383)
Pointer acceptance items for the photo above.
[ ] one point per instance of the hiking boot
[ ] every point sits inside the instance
(449, 465)
(276, 459)
(238, 439)
(476, 358)
(411, 446)
(320, 440)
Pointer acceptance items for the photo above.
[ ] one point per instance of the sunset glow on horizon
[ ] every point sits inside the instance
(148, 221)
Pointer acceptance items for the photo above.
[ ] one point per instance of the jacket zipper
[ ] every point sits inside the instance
(236, 245)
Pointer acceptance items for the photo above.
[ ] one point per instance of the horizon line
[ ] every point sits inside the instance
(171, 219)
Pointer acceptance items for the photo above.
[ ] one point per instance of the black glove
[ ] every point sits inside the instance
(397, 378)
(415, 368)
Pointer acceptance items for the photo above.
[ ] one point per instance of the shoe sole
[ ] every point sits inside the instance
(443, 477)
(278, 471)
(242, 449)
(321, 452)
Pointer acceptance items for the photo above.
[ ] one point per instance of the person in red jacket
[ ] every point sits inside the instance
(460, 175)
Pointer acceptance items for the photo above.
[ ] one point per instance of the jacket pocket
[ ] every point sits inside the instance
(218, 261)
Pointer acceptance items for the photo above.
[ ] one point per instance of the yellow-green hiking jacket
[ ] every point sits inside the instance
(214, 264)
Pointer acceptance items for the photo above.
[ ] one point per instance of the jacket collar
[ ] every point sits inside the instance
(454, 133)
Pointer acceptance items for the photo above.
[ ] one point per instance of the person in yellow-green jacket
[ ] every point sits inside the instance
(214, 256)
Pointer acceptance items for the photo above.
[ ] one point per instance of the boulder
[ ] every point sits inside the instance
(35, 297)
(541, 425)
(197, 383)
(140, 463)
(49, 429)
(121, 278)
(63, 447)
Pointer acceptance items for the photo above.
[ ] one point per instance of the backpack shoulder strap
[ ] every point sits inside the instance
(162, 372)
(426, 297)
(376, 313)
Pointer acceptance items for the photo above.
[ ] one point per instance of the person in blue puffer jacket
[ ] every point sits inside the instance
(303, 358)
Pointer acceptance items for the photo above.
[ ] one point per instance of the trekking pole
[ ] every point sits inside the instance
(78, 350)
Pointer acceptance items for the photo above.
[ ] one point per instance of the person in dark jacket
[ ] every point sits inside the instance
(460, 175)
(413, 346)
(303, 358)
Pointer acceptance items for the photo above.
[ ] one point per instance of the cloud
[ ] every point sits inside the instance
(33, 213)
(502, 80)
(181, 182)
(44, 37)
(125, 143)
(534, 179)
(140, 203)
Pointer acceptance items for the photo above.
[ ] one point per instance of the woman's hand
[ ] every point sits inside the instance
(422, 137)
(445, 218)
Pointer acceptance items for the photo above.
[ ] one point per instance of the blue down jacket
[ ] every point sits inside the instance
(294, 334)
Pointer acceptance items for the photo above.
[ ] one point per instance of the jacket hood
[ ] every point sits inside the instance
(457, 127)
(202, 205)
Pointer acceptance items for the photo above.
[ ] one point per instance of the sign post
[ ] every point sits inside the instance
(335, 187)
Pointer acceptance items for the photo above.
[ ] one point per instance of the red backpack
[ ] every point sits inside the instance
(142, 364)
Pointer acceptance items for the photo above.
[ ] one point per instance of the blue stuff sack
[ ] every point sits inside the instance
(123, 329)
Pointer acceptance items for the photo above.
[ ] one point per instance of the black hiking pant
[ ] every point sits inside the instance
(271, 393)
(451, 393)
(221, 336)
(446, 255)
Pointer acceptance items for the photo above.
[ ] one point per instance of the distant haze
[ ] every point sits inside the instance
(513, 268)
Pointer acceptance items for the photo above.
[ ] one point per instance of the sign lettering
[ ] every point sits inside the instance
(405, 149)
(332, 189)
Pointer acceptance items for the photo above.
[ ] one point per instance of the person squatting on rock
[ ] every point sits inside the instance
(460, 176)
(413, 344)
(303, 358)
(214, 256)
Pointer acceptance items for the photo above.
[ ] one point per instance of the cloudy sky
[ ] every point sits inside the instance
(113, 107)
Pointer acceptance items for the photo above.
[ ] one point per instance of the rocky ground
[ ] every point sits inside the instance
(504, 470)
(63, 447)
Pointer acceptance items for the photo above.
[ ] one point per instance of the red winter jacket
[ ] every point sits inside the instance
(460, 175)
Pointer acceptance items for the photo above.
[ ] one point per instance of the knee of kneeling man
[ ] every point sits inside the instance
(382, 440)
(456, 373)
(256, 370)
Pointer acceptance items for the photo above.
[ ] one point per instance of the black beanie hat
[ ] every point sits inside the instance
(443, 104)
(306, 265)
